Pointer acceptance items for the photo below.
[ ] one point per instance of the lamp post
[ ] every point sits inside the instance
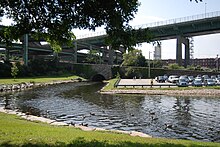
(149, 65)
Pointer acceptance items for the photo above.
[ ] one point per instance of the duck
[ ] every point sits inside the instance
(168, 126)
(91, 113)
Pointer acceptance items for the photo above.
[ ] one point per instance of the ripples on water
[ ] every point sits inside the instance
(194, 118)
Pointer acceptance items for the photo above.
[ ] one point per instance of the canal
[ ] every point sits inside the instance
(193, 118)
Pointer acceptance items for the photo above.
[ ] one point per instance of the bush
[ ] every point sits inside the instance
(14, 71)
(175, 66)
(23, 70)
(5, 69)
(41, 67)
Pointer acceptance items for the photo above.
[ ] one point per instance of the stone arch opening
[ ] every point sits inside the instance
(98, 78)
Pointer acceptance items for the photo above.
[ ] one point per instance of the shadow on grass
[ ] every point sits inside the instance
(81, 142)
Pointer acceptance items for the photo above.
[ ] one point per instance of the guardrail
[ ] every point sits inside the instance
(156, 85)
(146, 85)
(161, 23)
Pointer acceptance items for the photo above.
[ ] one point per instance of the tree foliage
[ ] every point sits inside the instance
(197, 0)
(54, 20)
(134, 58)
(93, 57)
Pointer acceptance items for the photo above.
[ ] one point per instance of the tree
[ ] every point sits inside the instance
(197, 0)
(53, 20)
(134, 58)
(93, 57)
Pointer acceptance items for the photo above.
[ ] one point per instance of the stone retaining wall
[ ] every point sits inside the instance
(26, 85)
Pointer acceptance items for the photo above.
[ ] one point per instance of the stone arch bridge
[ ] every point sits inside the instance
(94, 72)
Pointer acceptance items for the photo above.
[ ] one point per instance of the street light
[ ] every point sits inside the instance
(149, 65)
(217, 63)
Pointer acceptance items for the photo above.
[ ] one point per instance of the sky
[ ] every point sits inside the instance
(150, 11)
(207, 46)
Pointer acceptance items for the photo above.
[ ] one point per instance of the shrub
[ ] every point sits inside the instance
(5, 70)
(175, 66)
(14, 70)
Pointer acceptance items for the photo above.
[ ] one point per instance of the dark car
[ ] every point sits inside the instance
(160, 79)
(182, 83)
(209, 82)
(197, 83)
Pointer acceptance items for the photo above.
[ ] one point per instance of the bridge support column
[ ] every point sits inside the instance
(187, 54)
(75, 53)
(110, 57)
(25, 51)
(181, 40)
(7, 52)
(179, 51)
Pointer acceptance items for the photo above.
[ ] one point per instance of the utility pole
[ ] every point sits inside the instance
(217, 63)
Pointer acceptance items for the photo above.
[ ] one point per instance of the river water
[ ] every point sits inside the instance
(193, 118)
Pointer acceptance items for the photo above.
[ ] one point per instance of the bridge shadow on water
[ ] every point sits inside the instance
(98, 78)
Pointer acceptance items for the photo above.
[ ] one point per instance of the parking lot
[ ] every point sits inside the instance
(172, 81)
(145, 83)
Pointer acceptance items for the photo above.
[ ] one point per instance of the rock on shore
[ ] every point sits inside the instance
(26, 85)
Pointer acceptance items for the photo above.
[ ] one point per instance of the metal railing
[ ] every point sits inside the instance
(160, 23)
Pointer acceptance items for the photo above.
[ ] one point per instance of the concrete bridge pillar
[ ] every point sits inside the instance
(75, 53)
(103, 54)
(187, 53)
(25, 51)
(7, 52)
(181, 40)
(110, 55)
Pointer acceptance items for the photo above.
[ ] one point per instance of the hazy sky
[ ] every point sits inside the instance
(161, 10)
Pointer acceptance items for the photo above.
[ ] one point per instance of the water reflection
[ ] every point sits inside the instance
(160, 116)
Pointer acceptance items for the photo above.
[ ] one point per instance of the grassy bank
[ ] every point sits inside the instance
(41, 79)
(15, 131)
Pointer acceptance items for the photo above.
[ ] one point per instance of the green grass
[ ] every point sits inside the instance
(15, 131)
(42, 79)
(110, 85)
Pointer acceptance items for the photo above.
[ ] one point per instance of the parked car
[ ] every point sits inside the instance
(182, 83)
(198, 78)
(160, 79)
(173, 79)
(204, 78)
(165, 77)
(197, 82)
(214, 78)
(218, 81)
(191, 78)
(209, 82)
(185, 77)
